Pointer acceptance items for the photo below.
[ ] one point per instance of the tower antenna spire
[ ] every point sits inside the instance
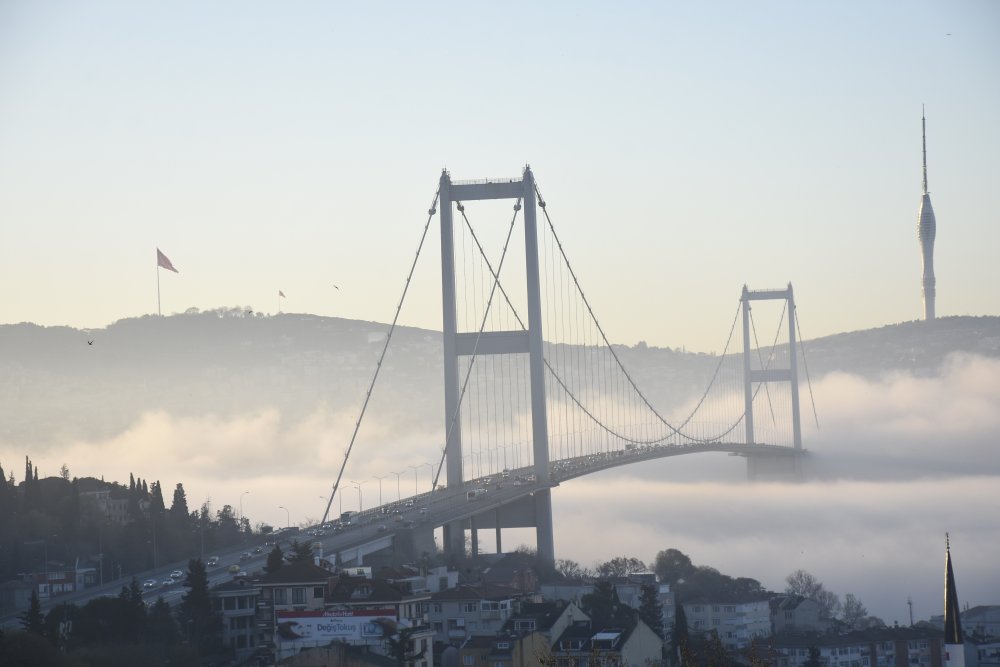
(923, 125)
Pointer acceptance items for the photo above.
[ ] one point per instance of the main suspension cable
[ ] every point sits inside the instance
(600, 329)
(802, 344)
(381, 358)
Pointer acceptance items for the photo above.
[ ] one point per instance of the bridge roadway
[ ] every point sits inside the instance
(425, 512)
(379, 527)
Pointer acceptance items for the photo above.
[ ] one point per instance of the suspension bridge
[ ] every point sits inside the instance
(535, 394)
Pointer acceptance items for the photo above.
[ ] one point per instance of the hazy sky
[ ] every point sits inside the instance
(684, 149)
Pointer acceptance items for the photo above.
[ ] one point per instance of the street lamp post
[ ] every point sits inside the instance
(288, 520)
(380, 478)
(399, 496)
(358, 486)
(415, 468)
(430, 474)
(241, 515)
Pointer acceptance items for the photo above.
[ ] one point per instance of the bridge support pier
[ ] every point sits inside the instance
(454, 539)
(496, 519)
(475, 536)
(544, 540)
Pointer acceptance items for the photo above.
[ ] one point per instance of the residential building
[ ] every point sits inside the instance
(466, 611)
(403, 601)
(885, 647)
(525, 638)
(294, 587)
(982, 622)
(583, 644)
(237, 602)
(737, 624)
(794, 613)
(628, 589)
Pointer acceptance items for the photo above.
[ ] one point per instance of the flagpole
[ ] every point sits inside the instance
(159, 312)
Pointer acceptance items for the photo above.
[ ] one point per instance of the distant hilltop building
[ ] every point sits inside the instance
(927, 230)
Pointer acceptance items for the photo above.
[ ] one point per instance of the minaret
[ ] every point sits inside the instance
(954, 650)
(926, 231)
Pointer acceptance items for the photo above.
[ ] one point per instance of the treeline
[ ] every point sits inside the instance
(69, 521)
(113, 631)
(690, 582)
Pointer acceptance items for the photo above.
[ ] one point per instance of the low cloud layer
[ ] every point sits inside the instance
(896, 463)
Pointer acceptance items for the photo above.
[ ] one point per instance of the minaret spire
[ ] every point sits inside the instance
(954, 651)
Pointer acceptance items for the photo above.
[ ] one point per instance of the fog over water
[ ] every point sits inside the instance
(897, 462)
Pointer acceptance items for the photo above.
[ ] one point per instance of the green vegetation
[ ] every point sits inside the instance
(116, 530)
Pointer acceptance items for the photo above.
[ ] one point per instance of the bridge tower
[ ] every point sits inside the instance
(758, 464)
(496, 342)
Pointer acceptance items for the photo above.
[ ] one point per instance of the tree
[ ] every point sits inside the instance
(274, 560)
(672, 566)
(570, 569)
(200, 624)
(853, 613)
(679, 633)
(621, 566)
(603, 604)
(806, 585)
(161, 628)
(399, 642)
(32, 619)
(302, 552)
(650, 609)
(179, 509)
(814, 659)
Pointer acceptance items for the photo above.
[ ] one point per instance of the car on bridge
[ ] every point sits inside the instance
(176, 574)
(213, 561)
(476, 494)
(149, 583)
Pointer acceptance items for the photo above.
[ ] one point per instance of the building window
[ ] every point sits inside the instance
(470, 606)
(438, 626)
(298, 596)
(229, 604)
(468, 660)
(279, 596)
(318, 592)
(437, 607)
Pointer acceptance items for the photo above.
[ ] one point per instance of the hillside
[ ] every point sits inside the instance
(55, 386)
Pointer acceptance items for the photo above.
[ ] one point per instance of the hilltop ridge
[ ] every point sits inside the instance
(55, 385)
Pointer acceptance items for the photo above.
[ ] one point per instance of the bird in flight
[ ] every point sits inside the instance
(335, 287)
(90, 342)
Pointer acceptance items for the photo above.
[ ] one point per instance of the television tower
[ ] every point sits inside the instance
(926, 231)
